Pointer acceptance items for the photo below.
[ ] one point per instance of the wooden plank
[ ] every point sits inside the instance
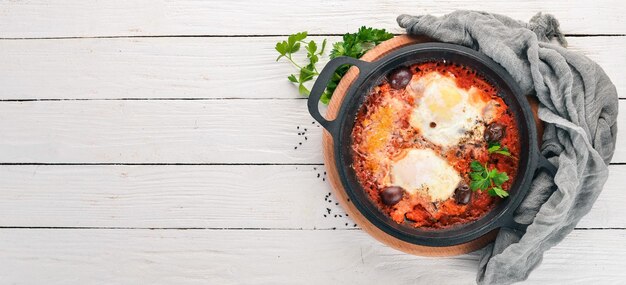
(186, 67)
(77, 18)
(273, 257)
(179, 131)
(207, 196)
(215, 131)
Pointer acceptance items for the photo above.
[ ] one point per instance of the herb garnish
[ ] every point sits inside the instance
(495, 147)
(488, 179)
(353, 45)
(292, 45)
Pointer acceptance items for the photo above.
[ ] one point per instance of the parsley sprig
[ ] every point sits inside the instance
(495, 147)
(488, 179)
(353, 45)
(307, 72)
(357, 44)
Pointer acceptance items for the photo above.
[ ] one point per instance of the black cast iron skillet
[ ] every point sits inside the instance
(370, 75)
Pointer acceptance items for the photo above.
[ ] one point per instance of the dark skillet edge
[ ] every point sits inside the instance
(504, 218)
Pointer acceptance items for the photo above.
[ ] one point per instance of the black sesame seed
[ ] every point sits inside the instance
(324, 215)
(295, 147)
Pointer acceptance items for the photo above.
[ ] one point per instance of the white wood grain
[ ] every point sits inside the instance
(208, 196)
(186, 67)
(206, 131)
(76, 18)
(273, 257)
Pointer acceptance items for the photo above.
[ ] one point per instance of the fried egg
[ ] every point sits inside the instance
(445, 113)
(423, 171)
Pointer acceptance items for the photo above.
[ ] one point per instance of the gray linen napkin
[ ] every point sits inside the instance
(579, 104)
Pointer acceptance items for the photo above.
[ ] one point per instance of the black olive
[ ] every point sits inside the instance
(391, 195)
(399, 78)
(462, 193)
(494, 132)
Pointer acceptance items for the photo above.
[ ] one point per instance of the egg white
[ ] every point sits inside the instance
(445, 113)
(423, 171)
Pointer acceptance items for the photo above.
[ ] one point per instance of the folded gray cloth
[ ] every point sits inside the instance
(577, 101)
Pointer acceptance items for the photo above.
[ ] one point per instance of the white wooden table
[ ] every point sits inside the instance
(154, 142)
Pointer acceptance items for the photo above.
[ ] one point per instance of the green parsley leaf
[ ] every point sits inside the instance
(497, 191)
(476, 166)
(499, 178)
(323, 47)
(281, 47)
(487, 179)
(477, 176)
(297, 37)
(495, 147)
(307, 73)
(313, 58)
(311, 48)
(292, 78)
(479, 184)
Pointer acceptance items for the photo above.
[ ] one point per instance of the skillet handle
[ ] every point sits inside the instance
(546, 165)
(510, 223)
(322, 81)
